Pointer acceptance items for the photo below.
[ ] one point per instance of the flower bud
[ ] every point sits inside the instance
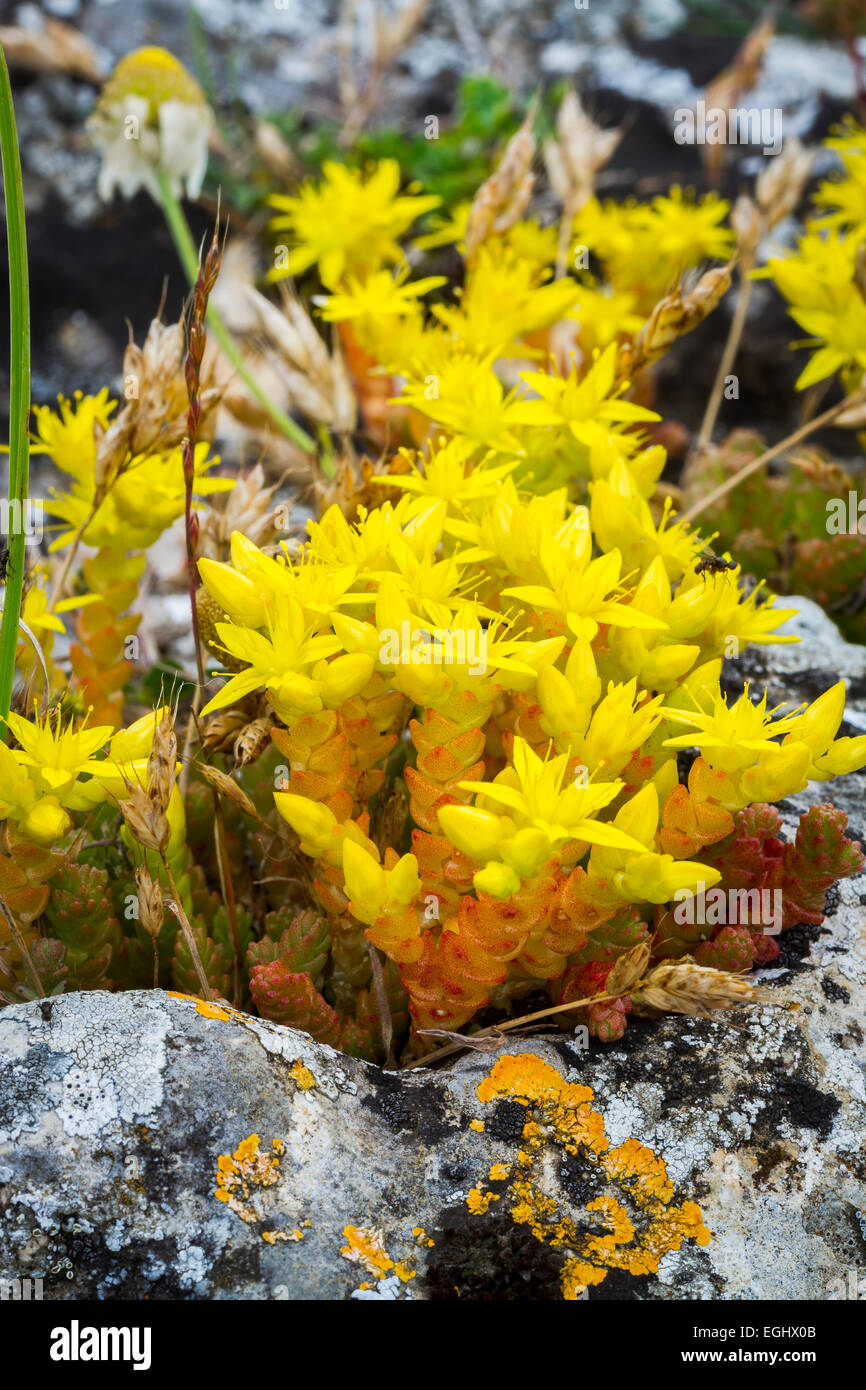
(46, 822)
(344, 677)
(135, 742)
(843, 756)
(366, 884)
(657, 878)
(663, 668)
(818, 725)
(527, 851)
(312, 822)
(476, 832)
(236, 594)
(357, 636)
(498, 880)
(404, 884)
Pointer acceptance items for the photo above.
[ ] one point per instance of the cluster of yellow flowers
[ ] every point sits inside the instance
(55, 771)
(823, 279)
(106, 514)
(554, 651)
(117, 520)
(566, 421)
(644, 247)
(609, 636)
(554, 670)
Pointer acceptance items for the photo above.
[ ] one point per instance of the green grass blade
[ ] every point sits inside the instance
(19, 384)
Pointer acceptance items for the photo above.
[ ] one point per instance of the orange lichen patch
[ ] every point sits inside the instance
(210, 1010)
(630, 1229)
(241, 1173)
(564, 1105)
(366, 1247)
(526, 1078)
(615, 1217)
(637, 1167)
(532, 1208)
(272, 1237)
(477, 1125)
(206, 1007)
(303, 1076)
(421, 1237)
(577, 1275)
(478, 1201)
(667, 1231)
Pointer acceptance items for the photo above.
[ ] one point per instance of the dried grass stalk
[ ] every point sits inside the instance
(316, 380)
(674, 316)
(682, 987)
(228, 787)
(629, 968)
(503, 198)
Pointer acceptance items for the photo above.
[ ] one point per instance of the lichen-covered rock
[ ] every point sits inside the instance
(154, 1146)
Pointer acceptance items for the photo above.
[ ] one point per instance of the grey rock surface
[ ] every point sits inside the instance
(150, 1150)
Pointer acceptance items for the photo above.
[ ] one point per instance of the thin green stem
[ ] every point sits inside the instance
(19, 386)
(185, 246)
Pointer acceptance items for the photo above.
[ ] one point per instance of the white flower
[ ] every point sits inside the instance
(152, 115)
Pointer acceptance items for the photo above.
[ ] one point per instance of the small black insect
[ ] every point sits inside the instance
(46, 1008)
(4, 559)
(714, 564)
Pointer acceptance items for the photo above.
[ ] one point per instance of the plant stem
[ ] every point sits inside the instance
(60, 582)
(856, 398)
(18, 938)
(506, 1026)
(185, 246)
(813, 398)
(228, 890)
(186, 931)
(735, 332)
(859, 76)
(205, 279)
(206, 273)
(566, 223)
(19, 382)
(386, 1022)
